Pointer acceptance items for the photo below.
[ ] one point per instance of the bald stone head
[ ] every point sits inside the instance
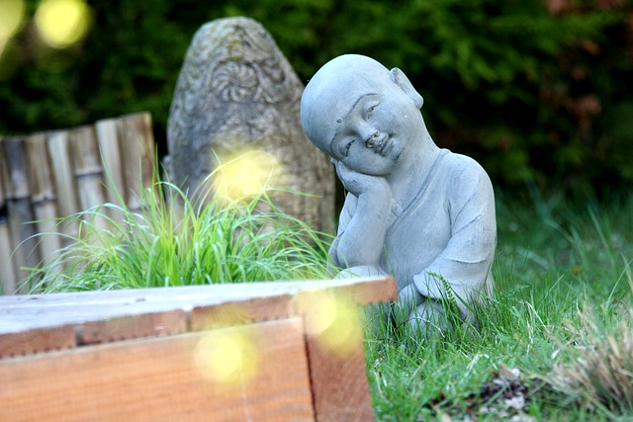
(337, 86)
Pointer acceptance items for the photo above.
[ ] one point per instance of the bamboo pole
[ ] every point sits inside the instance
(108, 140)
(88, 174)
(44, 199)
(137, 146)
(107, 131)
(8, 277)
(21, 225)
(62, 169)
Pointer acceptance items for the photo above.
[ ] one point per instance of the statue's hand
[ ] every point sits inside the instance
(360, 272)
(409, 298)
(358, 183)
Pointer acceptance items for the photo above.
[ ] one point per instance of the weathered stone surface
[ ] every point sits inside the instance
(237, 92)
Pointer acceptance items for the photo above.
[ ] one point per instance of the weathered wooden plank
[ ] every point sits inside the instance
(8, 277)
(278, 300)
(209, 306)
(63, 173)
(17, 185)
(241, 312)
(136, 141)
(255, 372)
(108, 139)
(136, 301)
(339, 383)
(21, 226)
(334, 343)
(88, 173)
(23, 319)
(37, 340)
(130, 327)
(40, 177)
(43, 197)
(65, 187)
(26, 253)
(384, 289)
(85, 152)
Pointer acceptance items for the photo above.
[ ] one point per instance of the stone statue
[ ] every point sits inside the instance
(237, 92)
(413, 210)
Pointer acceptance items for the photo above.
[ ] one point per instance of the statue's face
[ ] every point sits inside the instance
(354, 110)
(372, 136)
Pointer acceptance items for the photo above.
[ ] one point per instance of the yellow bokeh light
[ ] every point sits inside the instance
(333, 319)
(227, 357)
(11, 17)
(246, 175)
(61, 23)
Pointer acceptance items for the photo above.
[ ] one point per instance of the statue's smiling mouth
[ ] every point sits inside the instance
(384, 145)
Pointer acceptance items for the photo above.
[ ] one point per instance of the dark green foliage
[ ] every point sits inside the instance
(536, 94)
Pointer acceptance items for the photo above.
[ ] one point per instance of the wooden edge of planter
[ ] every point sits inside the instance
(66, 320)
(167, 378)
(37, 340)
(131, 327)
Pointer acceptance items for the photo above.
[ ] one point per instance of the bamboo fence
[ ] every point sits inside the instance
(52, 175)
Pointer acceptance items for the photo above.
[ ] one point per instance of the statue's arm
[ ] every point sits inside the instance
(364, 220)
(360, 242)
(349, 206)
(466, 261)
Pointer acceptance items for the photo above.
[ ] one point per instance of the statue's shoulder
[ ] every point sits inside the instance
(462, 165)
(465, 176)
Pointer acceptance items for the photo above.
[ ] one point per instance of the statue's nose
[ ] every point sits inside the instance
(371, 139)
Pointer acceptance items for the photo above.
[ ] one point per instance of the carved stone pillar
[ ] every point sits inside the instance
(237, 93)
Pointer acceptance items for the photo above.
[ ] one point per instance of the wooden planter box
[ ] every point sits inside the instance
(280, 351)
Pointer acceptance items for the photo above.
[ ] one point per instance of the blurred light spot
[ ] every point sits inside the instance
(61, 23)
(246, 175)
(227, 357)
(334, 319)
(11, 19)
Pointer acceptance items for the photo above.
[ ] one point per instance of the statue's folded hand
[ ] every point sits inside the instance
(361, 271)
(409, 298)
(358, 183)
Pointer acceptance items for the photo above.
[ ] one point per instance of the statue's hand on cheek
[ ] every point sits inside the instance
(359, 183)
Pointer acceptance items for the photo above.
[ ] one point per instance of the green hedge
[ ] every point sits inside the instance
(537, 95)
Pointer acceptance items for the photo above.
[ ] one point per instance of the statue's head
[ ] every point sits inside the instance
(357, 111)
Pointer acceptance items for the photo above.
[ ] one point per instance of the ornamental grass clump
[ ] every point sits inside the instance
(174, 241)
(600, 371)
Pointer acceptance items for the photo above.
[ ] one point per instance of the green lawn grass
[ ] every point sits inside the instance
(561, 317)
(555, 342)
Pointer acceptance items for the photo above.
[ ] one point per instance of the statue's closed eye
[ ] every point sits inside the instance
(370, 110)
(347, 147)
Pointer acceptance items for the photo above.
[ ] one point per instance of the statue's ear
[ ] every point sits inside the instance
(403, 82)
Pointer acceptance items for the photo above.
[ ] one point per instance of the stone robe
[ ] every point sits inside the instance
(448, 229)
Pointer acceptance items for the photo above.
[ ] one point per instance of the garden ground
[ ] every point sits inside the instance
(554, 344)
